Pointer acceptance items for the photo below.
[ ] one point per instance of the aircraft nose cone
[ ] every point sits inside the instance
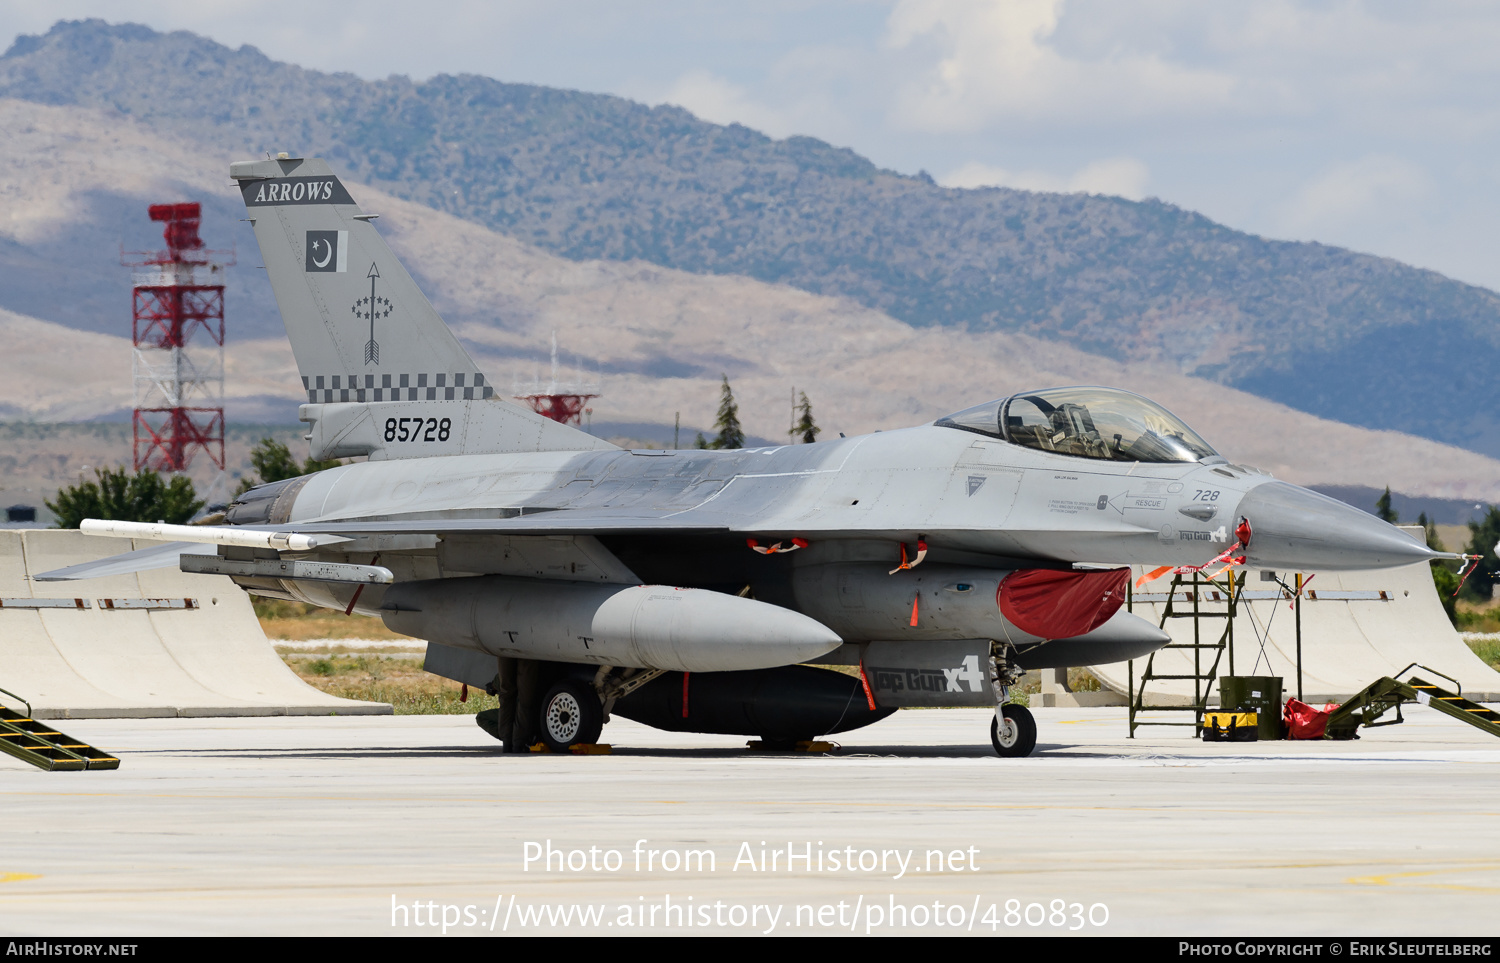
(1293, 528)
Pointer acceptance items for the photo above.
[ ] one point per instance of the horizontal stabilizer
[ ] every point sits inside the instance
(127, 563)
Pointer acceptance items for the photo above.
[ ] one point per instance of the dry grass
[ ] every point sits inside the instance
(1479, 616)
(296, 621)
(398, 680)
(1488, 650)
(1453, 537)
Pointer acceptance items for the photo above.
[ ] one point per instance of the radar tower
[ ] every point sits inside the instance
(561, 401)
(177, 330)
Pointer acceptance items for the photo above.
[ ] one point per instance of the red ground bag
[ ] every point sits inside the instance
(1305, 722)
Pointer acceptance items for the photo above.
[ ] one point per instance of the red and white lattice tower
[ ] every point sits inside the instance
(561, 401)
(177, 328)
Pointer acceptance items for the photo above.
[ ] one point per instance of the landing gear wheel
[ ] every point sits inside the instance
(1018, 736)
(571, 714)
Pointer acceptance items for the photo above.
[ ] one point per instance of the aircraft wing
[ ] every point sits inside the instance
(541, 523)
(329, 534)
(310, 536)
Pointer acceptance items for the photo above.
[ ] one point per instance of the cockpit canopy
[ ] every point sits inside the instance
(1103, 423)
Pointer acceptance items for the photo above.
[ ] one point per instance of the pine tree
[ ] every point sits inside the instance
(116, 494)
(1483, 537)
(1429, 529)
(1383, 509)
(728, 423)
(1443, 577)
(806, 428)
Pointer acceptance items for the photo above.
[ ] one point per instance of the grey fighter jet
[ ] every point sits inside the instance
(709, 591)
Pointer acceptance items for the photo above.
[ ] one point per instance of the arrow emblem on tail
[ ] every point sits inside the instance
(372, 307)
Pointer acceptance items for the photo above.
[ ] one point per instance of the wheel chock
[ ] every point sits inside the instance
(805, 745)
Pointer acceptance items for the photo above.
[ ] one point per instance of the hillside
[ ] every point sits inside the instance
(660, 338)
(1345, 335)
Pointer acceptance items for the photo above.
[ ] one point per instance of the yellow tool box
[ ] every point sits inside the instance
(1230, 726)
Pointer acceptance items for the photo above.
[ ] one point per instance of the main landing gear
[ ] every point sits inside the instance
(548, 703)
(571, 714)
(541, 702)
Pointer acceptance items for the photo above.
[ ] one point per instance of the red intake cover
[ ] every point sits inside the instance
(1060, 605)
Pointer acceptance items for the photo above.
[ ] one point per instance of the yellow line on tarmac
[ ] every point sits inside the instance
(17, 877)
(1387, 879)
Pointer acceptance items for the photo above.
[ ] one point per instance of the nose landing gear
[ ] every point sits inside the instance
(1012, 730)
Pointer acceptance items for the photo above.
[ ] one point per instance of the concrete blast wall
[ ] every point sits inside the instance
(1347, 643)
(157, 643)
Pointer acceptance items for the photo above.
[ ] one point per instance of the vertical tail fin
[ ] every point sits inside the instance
(360, 328)
(384, 376)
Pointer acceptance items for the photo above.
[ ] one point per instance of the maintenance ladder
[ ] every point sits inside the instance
(38, 743)
(1223, 597)
(1379, 697)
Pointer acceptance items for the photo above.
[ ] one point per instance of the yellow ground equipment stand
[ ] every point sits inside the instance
(38, 743)
(1374, 700)
(1210, 600)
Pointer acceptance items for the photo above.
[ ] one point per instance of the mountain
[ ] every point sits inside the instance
(1348, 336)
(660, 338)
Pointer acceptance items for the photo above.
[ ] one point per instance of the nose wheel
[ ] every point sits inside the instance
(1013, 730)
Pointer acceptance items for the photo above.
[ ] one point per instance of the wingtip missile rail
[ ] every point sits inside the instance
(236, 537)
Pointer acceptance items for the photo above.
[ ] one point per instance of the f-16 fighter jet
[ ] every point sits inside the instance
(708, 591)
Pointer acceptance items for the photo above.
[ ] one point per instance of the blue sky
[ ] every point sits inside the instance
(1368, 125)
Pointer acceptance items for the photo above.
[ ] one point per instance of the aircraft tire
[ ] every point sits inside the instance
(570, 714)
(1019, 737)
